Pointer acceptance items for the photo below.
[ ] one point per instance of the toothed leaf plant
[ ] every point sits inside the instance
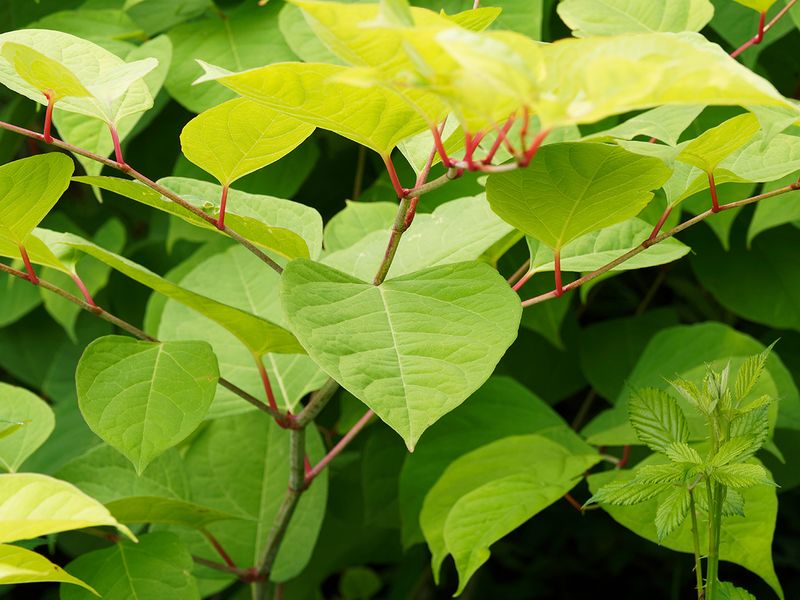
(340, 299)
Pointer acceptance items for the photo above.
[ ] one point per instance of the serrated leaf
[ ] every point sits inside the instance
(656, 474)
(32, 505)
(497, 482)
(742, 475)
(159, 566)
(714, 145)
(748, 374)
(145, 397)
(29, 188)
(27, 422)
(18, 565)
(166, 511)
(732, 504)
(681, 452)
(375, 117)
(728, 591)
(259, 335)
(672, 511)
(612, 17)
(753, 425)
(280, 240)
(239, 137)
(379, 342)
(736, 450)
(572, 189)
(657, 419)
(116, 87)
(627, 493)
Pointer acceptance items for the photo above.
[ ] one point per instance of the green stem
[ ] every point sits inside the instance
(262, 589)
(698, 565)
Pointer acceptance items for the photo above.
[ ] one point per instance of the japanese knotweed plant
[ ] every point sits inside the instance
(206, 414)
(699, 482)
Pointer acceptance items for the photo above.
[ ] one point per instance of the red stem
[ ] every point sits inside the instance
(531, 152)
(48, 116)
(522, 280)
(267, 387)
(398, 188)
(559, 291)
(523, 133)
(28, 266)
(626, 454)
(117, 148)
(439, 145)
(84, 290)
(712, 186)
(501, 135)
(574, 503)
(336, 450)
(519, 272)
(660, 224)
(762, 29)
(222, 204)
(218, 547)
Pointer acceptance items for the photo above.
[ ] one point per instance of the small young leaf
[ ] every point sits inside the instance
(753, 424)
(732, 505)
(655, 474)
(714, 145)
(672, 511)
(627, 493)
(741, 475)
(750, 372)
(42, 72)
(681, 452)
(145, 397)
(737, 450)
(657, 419)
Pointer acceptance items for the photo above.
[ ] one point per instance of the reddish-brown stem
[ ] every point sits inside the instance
(218, 547)
(531, 152)
(519, 272)
(306, 465)
(123, 166)
(523, 280)
(660, 224)
(626, 454)
(439, 145)
(84, 290)
(262, 371)
(337, 449)
(647, 243)
(398, 188)
(712, 186)
(523, 132)
(763, 29)
(48, 116)
(246, 575)
(31, 274)
(559, 291)
(574, 503)
(501, 135)
(223, 202)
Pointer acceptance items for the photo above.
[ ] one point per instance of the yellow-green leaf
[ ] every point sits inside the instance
(18, 565)
(761, 6)
(715, 145)
(42, 72)
(239, 137)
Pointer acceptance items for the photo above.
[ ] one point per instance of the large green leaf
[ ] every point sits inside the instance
(373, 116)
(612, 17)
(239, 137)
(355, 221)
(32, 505)
(258, 334)
(412, 348)
(240, 465)
(29, 188)
(34, 420)
(631, 72)
(456, 231)
(572, 189)
(593, 250)
(116, 87)
(145, 397)
(745, 540)
(17, 298)
(763, 160)
(165, 511)
(683, 351)
(665, 123)
(487, 493)
(280, 240)
(18, 565)
(161, 15)
(109, 477)
(237, 39)
(465, 429)
(159, 566)
(774, 212)
(225, 275)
